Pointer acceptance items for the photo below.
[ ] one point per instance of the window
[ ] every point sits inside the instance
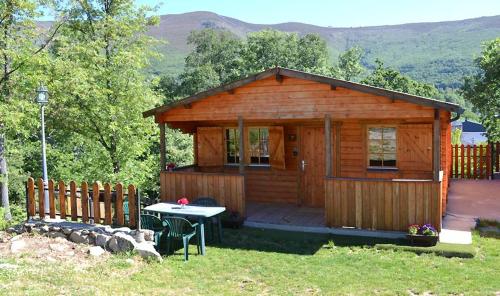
(382, 147)
(258, 139)
(232, 146)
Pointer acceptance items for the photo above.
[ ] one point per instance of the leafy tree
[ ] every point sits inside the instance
(349, 64)
(388, 78)
(100, 90)
(483, 89)
(22, 58)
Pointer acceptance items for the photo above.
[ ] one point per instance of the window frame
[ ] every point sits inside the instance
(367, 153)
(247, 144)
(237, 145)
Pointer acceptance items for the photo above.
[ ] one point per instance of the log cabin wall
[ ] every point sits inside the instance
(292, 102)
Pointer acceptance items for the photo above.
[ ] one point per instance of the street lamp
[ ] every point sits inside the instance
(42, 98)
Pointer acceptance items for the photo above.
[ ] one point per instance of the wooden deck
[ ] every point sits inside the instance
(285, 214)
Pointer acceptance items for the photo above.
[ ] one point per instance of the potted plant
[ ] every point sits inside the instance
(232, 219)
(182, 202)
(424, 236)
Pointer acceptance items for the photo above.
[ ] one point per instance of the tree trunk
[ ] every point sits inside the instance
(4, 177)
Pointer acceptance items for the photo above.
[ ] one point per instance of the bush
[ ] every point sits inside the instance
(18, 215)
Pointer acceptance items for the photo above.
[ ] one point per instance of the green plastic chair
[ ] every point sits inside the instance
(181, 229)
(208, 202)
(153, 223)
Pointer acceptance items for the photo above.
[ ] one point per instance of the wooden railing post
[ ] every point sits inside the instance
(62, 199)
(163, 160)
(52, 206)
(436, 140)
(132, 206)
(328, 146)
(469, 159)
(72, 198)
(41, 199)
(85, 202)
(96, 203)
(119, 204)
(241, 144)
(107, 204)
(462, 167)
(31, 197)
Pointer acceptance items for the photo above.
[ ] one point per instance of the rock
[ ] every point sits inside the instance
(138, 236)
(29, 226)
(147, 250)
(17, 246)
(44, 229)
(101, 240)
(36, 230)
(58, 247)
(8, 266)
(78, 237)
(85, 232)
(66, 231)
(121, 229)
(130, 261)
(149, 235)
(11, 230)
(96, 251)
(54, 234)
(54, 228)
(121, 242)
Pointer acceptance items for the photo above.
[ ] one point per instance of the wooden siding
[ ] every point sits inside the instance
(267, 185)
(228, 190)
(293, 99)
(382, 204)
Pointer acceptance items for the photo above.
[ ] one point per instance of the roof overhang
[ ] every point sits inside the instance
(394, 95)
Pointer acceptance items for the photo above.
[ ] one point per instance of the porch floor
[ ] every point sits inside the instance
(285, 214)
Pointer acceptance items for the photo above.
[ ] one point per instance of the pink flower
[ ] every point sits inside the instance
(183, 201)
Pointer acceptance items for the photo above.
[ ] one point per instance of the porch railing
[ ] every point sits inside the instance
(227, 189)
(382, 204)
(475, 162)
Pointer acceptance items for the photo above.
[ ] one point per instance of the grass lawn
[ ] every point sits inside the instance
(253, 261)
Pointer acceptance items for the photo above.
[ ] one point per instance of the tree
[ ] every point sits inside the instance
(388, 78)
(22, 54)
(349, 64)
(100, 90)
(483, 89)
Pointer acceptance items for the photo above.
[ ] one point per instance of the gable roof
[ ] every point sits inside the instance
(278, 71)
(472, 127)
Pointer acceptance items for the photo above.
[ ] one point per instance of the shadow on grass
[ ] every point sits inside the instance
(300, 243)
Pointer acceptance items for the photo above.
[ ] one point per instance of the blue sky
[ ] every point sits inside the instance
(336, 13)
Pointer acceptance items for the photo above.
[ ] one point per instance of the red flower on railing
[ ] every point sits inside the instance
(183, 201)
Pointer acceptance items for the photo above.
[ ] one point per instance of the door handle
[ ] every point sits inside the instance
(303, 164)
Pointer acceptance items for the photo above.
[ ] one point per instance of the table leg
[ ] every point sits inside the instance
(202, 234)
(219, 225)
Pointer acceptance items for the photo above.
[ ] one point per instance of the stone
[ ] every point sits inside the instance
(101, 240)
(8, 266)
(55, 228)
(36, 230)
(147, 250)
(149, 235)
(44, 229)
(96, 251)
(79, 238)
(85, 232)
(66, 231)
(54, 234)
(29, 226)
(11, 230)
(138, 236)
(121, 229)
(121, 242)
(17, 246)
(58, 247)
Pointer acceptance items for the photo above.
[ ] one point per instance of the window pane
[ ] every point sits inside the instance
(389, 133)
(389, 160)
(264, 143)
(375, 133)
(232, 145)
(389, 146)
(375, 146)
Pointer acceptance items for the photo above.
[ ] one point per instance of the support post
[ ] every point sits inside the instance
(337, 163)
(328, 146)
(436, 145)
(163, 160)
(241, 143)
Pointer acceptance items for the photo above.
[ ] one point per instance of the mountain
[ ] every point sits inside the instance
(440, 53)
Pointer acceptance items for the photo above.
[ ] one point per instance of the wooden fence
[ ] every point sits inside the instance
(475, 162)
(382, 204)
(227, 189)
(79, 204)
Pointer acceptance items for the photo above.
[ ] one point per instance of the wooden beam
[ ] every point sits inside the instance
(195, 148)
(163, 160)
(328, 145)
(231, 91)
(333, 87)
(436, 145)
(337, 163)
(241, 143)
(279, 78)
(188, 106)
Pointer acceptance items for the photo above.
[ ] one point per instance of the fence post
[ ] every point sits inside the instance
(84, 191)
(107, 204)
(96, 203)
(132, 206)
(30, 191)
(52, 206)
(462, 151)
(62, 199)
(41, 199)
(72, 197)
(119, 204)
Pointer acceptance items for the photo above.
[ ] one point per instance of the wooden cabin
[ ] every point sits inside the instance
(370, 158)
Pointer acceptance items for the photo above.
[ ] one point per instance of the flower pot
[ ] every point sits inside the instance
(422, 240)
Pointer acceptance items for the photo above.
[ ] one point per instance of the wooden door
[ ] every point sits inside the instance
(312, 166)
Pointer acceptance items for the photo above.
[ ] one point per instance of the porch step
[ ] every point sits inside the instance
(324, 230)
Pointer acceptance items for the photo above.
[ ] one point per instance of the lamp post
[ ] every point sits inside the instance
(42, 98)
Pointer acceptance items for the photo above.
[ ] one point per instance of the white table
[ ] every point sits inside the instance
(188, 210)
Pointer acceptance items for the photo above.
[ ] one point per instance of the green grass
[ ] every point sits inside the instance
(253, 261)
(445, 250)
